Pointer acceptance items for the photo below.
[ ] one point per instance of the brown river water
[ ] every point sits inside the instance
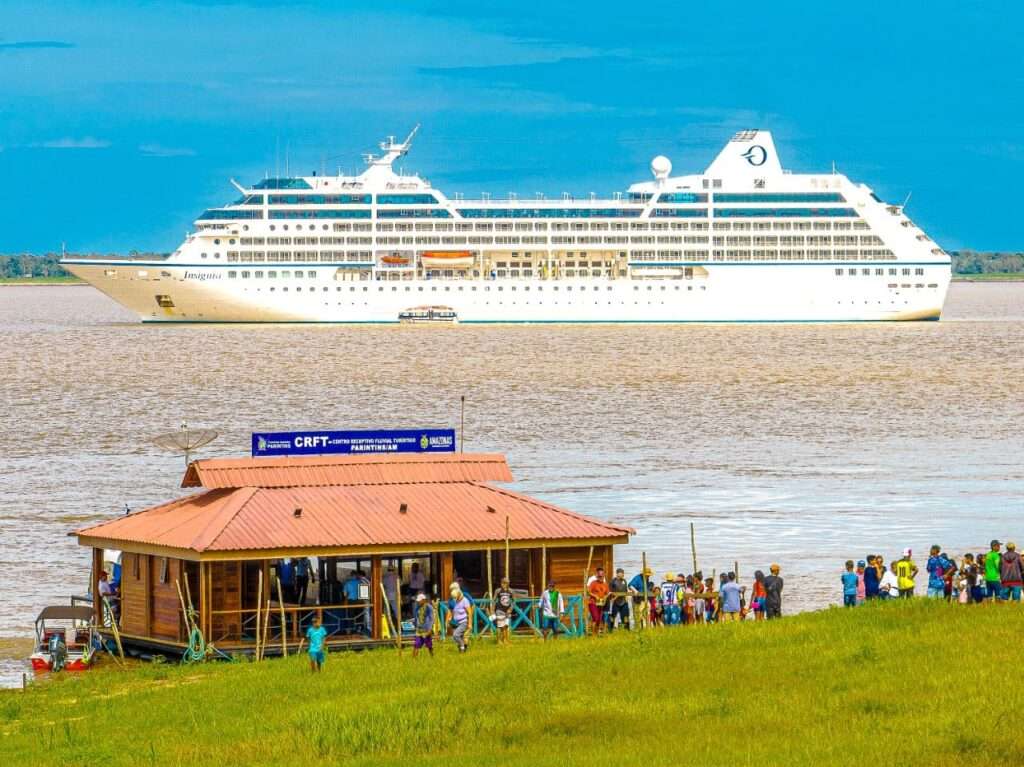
(802, 444)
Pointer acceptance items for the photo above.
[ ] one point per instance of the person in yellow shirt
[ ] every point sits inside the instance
(906, 571)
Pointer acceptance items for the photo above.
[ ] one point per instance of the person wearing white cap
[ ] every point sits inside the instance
(423, 621)
(462, 613)
(906, 571)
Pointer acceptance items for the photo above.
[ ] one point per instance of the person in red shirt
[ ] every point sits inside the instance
(598, 591)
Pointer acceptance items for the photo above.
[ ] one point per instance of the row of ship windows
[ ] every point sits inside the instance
(879, 272)
(390, 213)
(577, 226)
(470, 288)
(331, 256)
(429, 199)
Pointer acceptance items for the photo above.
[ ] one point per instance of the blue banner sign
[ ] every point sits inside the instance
(353, 442)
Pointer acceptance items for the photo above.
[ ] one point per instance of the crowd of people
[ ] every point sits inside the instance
(996, 574)
(679, 599)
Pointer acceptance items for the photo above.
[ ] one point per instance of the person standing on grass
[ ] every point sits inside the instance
(993, 574)
(552, 608)
(871, 578)
(1011, 573)
(462, 613)
(937, 567)
(889, 586)
(619, 605)
(849, 580)
(710, 603)
(757, 599)
(423, 623)
(906, 571)
(504, 601)
(316, 635)
(861, 588)
(669, 600)
(637, 589)
(731, 598)
(773, 594)
(598, 594)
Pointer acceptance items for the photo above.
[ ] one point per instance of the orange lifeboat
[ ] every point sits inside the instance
(395, 260)
(447, 259)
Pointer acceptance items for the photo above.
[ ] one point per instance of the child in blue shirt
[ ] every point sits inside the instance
(849, 579)
(316, 634)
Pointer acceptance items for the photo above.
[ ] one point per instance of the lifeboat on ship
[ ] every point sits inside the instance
(395, 259)
(446, 259)
(430, 315)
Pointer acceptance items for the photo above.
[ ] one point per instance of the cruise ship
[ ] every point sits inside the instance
(744, 241)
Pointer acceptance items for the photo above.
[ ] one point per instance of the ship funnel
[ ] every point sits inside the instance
(748, 153)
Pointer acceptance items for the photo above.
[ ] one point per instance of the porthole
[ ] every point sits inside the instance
(216, 242)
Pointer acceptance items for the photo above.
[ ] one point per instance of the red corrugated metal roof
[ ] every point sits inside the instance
(353, 516)
(318, 471)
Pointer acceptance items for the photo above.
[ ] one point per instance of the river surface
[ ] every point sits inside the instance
(802, 444)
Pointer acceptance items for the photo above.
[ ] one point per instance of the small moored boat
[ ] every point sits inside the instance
(64, 639)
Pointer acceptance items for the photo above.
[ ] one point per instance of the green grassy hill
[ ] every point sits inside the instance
(892, 684)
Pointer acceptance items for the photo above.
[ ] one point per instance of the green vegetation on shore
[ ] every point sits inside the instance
(990, 277)
(917, 682)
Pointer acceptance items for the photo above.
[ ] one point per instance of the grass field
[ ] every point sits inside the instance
(918, 683)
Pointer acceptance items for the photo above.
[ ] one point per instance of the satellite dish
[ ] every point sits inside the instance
(661, 166)
(186, 441)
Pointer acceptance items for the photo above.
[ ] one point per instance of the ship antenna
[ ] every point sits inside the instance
(904, 205)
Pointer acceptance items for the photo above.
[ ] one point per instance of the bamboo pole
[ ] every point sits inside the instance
(583, 596)
(693, 548)
(259, 602)
(544, 565)
(646, 607)
(507, 546)
(284, 621)
(113, 628)
(266, 629)
(184, 610)
(490, 586)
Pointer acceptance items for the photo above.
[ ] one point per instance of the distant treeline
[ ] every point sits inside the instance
(973, 262)
(47, 264)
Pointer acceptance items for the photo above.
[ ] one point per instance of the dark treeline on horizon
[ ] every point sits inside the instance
(48, 264)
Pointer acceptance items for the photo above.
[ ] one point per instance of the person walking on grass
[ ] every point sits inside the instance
(906, 571)
(773, 594)
(872, 575)
(731, 598)
(993, 571)
(462, 613)
(423, 624)
(552, 608)
(598, 595)
(316, 635)
(619, 605)
(849, 581)
(1011, 573)
(938, 568)
(504, 601)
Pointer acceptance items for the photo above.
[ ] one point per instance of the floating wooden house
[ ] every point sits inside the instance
(373, 529)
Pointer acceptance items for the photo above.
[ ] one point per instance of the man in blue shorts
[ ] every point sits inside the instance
(316, 634)
(552, 607)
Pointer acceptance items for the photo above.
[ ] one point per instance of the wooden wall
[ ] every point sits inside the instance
(165, 606)
(566, 566)
(135, 594)
(226, 586)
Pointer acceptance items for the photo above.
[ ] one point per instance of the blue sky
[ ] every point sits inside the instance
(120, 122)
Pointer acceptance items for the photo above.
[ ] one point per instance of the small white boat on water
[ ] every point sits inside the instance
(64, 639)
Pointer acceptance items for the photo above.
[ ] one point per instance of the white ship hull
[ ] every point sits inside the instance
(729, 293)
(746, 241)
